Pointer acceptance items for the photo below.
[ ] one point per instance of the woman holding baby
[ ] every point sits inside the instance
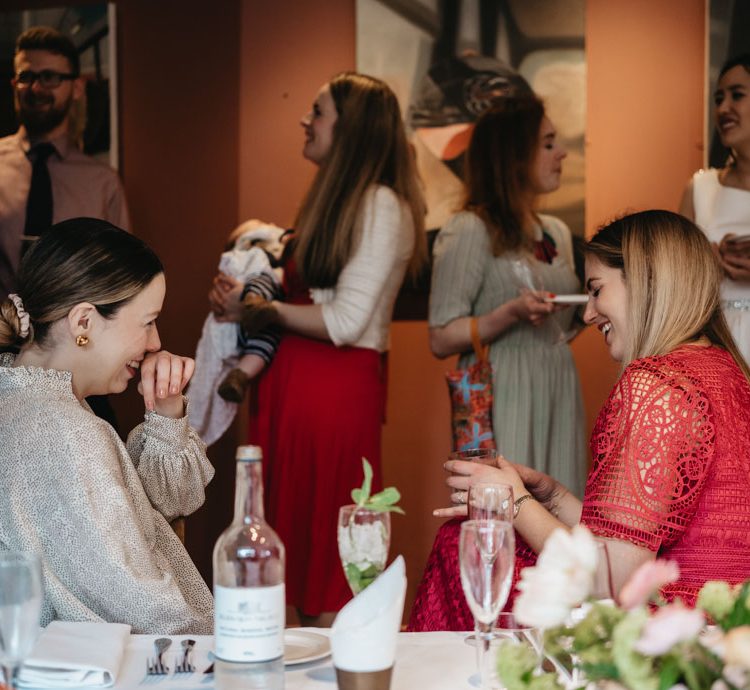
(320, 404)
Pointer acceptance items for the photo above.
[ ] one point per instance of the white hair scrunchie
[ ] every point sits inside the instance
(23, 315)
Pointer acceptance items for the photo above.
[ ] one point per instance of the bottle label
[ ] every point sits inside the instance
(249, 622)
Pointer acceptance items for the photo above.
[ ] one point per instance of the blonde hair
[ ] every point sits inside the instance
(673, 281)
(369, 147)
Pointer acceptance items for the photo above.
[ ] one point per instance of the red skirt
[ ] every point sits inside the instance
(318, 411)
(440, 603)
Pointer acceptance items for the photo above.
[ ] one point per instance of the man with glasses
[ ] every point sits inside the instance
(44, 177)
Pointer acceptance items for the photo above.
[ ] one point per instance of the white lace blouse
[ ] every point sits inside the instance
(97, 511)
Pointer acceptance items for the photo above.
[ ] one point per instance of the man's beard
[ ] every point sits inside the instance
(39, 122)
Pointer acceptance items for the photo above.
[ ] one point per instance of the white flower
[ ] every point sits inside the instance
(537, 605)
(562, 578)
(363, 545)
(737, 647)
(669, 625)
(736, 675)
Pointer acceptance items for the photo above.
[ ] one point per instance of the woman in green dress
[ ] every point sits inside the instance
(513, 159)
(495, 262)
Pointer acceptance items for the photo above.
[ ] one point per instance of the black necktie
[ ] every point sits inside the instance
(39, 204)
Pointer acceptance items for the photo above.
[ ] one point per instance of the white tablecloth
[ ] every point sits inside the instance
(438, 661)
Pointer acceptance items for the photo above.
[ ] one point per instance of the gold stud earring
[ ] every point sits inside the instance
(82, 340)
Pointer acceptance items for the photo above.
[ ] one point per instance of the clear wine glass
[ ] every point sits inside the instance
(486, 553)
(20, 606)
(484, 456)
(490, 501)
(364, 537)
(527, 277)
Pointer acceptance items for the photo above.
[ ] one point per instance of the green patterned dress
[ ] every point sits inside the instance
(538, 416)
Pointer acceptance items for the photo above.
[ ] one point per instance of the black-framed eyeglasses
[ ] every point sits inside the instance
(47, 78)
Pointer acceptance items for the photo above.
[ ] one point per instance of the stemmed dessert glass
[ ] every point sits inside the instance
(20, 608)
(486, 554)
(364, 537)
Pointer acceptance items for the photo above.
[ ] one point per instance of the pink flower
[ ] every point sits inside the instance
(667, 627)
(649, 578)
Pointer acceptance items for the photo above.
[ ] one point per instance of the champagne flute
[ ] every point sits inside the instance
(490, 501)
(20, 607)
(486, 553)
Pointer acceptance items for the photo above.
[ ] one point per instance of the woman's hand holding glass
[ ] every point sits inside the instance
(163, 378)
(465, 474)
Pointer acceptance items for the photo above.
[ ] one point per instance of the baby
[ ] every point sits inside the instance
(226, 359)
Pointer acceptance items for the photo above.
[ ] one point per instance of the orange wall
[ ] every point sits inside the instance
(644, 128)
(210, 105)
(645, 98)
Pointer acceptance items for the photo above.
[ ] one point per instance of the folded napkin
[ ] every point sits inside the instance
(363, 636)
(76, 655)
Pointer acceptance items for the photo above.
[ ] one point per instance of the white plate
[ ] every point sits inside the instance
(301, 646)
(568, 299)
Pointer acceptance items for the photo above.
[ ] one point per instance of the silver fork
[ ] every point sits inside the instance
(185, 666)
(156, 666)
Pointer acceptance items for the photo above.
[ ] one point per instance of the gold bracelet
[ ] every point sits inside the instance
(519, 502)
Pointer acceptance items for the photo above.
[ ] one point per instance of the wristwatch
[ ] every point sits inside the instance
(519, 502)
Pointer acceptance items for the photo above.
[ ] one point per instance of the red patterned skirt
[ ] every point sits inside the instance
(318, 410)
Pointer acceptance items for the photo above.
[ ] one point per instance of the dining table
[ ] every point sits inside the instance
(434, 660)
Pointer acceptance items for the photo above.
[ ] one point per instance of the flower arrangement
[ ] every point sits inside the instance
(640, 643)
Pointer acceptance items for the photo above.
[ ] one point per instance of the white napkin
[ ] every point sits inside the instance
(363, 636)
(76, 655)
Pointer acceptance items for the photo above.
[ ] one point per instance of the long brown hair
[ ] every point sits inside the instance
(499, 162)
(369, 147)
(673, 283)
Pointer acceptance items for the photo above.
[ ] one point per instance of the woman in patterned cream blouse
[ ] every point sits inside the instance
(95, 509)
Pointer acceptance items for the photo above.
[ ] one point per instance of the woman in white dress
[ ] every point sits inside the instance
(718, 200)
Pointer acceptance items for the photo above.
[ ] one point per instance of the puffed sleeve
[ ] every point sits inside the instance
(652, 447)
(460, 255)
(385, 245)
(171, 461)
(107, 553)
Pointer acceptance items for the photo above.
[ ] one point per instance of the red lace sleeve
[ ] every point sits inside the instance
(652, 446)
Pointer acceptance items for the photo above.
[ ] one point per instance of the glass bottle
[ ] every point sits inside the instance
(249, 596)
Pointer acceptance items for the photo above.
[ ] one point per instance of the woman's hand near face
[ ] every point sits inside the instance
(163, 378)
(224, 298)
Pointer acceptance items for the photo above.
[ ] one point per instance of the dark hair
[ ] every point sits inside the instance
(47, 38)
(369, 147)
(498, 168)
(673, 283)
(78, 260)
(743, 60)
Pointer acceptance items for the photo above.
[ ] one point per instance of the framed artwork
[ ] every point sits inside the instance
(728, 29)
(92, 30)
(445, 59)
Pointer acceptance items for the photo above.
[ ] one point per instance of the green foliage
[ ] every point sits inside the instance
(359, 579)
(383, 502)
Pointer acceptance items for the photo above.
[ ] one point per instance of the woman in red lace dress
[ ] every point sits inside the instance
(671, 446)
